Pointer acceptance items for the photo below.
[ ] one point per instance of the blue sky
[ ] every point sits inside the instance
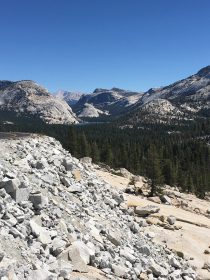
(84, 44)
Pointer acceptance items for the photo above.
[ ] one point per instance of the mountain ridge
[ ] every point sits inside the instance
(111, 102)
(189, 98)
(185, 99)
(182, 100)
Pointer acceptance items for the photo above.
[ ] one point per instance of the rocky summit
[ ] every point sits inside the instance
(30, 99)
(58, 220)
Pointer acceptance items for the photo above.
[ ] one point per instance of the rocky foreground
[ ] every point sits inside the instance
(58, 219)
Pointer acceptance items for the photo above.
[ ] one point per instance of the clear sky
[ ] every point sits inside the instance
(84, 44)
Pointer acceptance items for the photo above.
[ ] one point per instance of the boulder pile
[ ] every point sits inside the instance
(58, 217)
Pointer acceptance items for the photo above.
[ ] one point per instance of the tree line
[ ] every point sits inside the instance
(175, 159)
(174, 155)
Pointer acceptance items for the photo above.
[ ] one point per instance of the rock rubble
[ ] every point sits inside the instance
(57, 217)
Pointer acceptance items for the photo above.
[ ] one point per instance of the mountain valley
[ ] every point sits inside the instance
(109, 185)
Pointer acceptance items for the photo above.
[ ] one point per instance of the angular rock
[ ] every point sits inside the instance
(65, 181)
(65, 268)
(157, 270)
(127, 255)
(119, 271)
(114, 237)
(147, 210)
(48, 178)
(67, 163)
(145, 250)
(58, 246)
(79, 254)
(166, 199)
(20, 194)
(16, 233)
(111, 202)
(171, 220)
(41, 164)
(118, 198)
(86, 160)
(174, 262)
(38, 200)
(138, 268)
(102, 260)
(75, 189)
(41, 233)
(10, 185)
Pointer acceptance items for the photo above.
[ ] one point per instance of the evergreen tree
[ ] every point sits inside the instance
(95, 153)
(72, 141)
(169, 173)
(189, 184)
(154, 170)
(108, 156)
(84, 146)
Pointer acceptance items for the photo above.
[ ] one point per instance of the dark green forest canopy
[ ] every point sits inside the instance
(175, 155)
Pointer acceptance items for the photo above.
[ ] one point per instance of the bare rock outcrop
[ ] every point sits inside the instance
(31, 99)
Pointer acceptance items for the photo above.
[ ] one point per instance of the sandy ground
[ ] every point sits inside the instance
(191, 239)
(115, 180)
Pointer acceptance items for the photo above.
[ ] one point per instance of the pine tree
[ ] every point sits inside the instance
(95, 153)
(189, 184)
(84, 146)
(169, 173)
(108, 155)
(72, 144)
(154, 170)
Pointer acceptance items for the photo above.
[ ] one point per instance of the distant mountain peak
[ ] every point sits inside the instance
(70, 97)
(118, 89)
(97, 90)
(29, 98)
(204, 71)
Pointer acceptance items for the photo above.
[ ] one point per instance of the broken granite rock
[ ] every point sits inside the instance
(165, 199)
(171, 220)
(146, 210)
(67, 163)
(79, 254)
(38, 200)
(119, 270)
(10, 185)
(56, 231)
(86, 160)
(114, 237)
(158, 270)
(42, 234)
(20, 194)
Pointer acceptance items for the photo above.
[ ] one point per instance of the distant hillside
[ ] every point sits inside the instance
(70, 97)
(102, 102)
(184, 100)
(29, 98)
